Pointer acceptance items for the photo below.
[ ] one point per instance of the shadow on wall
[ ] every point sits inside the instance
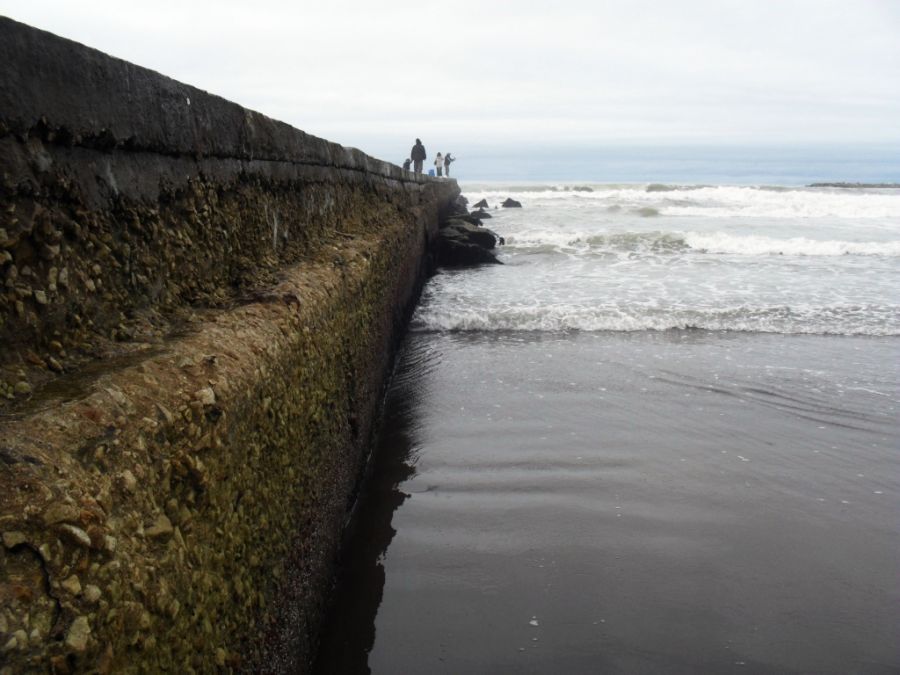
(349, 630)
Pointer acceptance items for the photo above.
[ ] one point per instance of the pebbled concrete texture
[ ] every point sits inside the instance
(199, 306)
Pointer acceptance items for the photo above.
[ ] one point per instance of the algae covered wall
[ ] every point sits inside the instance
(198, 311)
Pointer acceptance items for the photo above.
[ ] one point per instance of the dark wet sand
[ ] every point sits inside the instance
(678, 502)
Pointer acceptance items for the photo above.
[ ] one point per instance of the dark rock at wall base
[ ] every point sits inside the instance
(462, 243)
(511, 204)
(480, 214)
(466, 231)
(467, 217)
(457, 253)
(458, 207)
(483, 204)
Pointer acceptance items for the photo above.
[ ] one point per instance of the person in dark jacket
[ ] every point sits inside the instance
(447, 160)
(418, 155)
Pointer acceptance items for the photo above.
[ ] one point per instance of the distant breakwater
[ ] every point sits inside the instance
(888, 186)
(198, 315)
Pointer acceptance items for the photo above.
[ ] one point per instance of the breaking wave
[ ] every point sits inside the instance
(663, 187)
(706, 201)
(657, 242)
(654, 242)
(718, 242)
(875, 320)
(665, 257)
(497, 188)
(647, 211)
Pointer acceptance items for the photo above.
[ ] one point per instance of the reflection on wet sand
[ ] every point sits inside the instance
(350, 626)
(655, 502)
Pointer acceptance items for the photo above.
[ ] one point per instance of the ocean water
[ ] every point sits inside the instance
(662, 437)
(731, 164)
(638, 257)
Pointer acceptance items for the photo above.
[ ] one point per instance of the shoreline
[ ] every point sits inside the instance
(577, 533)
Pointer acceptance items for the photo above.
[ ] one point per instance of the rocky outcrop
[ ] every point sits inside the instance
(459, 228)
(462, 241)
(197, 319)
(483, 204)
(510, 203)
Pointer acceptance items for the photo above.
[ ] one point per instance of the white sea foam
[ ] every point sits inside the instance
(708, 201)
(729, 202)
(720, 242)
(557, 240)
(748, 259)
(546, 241)
(560, 317)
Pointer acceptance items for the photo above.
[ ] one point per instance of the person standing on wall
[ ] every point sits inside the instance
(418, 155)
(448, 158)
(438, 164)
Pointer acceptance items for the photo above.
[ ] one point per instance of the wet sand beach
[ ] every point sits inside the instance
(677, 501)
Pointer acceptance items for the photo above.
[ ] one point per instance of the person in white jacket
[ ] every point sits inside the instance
(439, 164)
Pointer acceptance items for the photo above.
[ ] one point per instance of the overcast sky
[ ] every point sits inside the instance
(376, 74)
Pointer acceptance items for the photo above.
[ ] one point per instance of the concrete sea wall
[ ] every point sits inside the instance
(197, 316)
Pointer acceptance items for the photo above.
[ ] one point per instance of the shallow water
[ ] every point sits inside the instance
(661, 438)
(679, 501)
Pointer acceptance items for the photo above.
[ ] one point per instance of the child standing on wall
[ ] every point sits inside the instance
(439, 164)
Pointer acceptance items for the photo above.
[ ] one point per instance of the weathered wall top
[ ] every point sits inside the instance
(88, 98)
(127, 196)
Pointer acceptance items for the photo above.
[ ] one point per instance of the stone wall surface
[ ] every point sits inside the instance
(197, 314)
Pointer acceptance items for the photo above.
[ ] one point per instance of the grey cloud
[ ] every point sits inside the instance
(793, 70)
